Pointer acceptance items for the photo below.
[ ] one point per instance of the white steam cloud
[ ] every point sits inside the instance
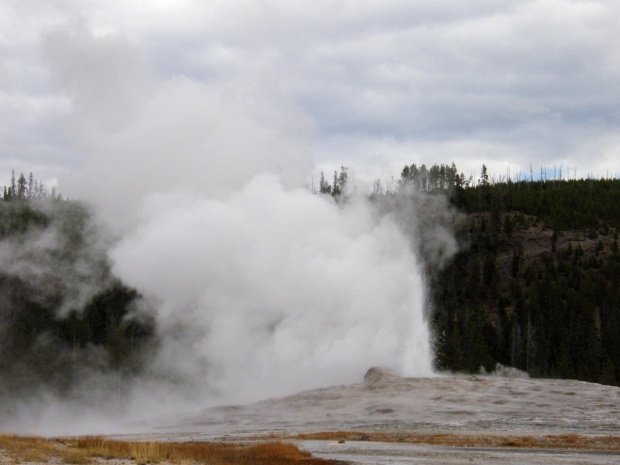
(261, 288)
(288, 290)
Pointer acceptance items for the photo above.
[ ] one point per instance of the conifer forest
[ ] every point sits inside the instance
(535, 283)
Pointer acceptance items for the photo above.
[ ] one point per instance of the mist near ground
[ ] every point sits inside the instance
(506, 401)
(258, 287)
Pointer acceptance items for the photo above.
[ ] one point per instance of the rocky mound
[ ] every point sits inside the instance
(386, 402)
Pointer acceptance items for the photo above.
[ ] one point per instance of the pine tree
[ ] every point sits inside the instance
(31, 186)
(22, 189)
(324, 187)
(13, 188)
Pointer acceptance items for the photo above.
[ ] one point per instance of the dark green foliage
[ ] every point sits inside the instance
(437, 178)
(22, 189)
(337, 188)
(324, 187)
(542, 299)
(41, 348)
(17, 217)
(48, 338)
(563, 205)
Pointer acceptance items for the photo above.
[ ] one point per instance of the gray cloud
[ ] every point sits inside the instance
(104, 76)
(524, 82)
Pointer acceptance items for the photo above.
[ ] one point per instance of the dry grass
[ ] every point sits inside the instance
(27, 449)
(543, 441)
(201, 452)
(96, 449)
(88, 449)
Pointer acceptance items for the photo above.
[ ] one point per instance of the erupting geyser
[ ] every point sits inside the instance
(258, 287)
(283, 290)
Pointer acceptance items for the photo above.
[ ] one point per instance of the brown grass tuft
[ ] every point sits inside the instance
(83, 450)
(201, 452)
(27, 448)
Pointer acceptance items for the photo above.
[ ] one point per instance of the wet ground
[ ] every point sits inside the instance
(377, 453)
(440, 420)
(449, 403)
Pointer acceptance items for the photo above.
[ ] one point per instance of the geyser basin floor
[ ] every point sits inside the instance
(389, 403)
(380, 453)
(451, 419)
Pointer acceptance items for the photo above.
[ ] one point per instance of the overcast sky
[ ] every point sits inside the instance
(368, 84)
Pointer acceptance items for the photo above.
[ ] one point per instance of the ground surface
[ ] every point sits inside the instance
(443, 420)
(385, 402)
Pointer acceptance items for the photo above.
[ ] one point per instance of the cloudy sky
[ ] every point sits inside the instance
(372, 85)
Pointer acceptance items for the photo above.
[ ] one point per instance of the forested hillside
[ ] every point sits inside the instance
(64, 319)
(536, 284)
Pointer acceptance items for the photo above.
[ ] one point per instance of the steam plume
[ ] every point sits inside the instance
(288, 290)
(259, 287)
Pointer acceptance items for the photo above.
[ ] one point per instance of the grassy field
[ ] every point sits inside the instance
(264, 451)
(94, 449)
